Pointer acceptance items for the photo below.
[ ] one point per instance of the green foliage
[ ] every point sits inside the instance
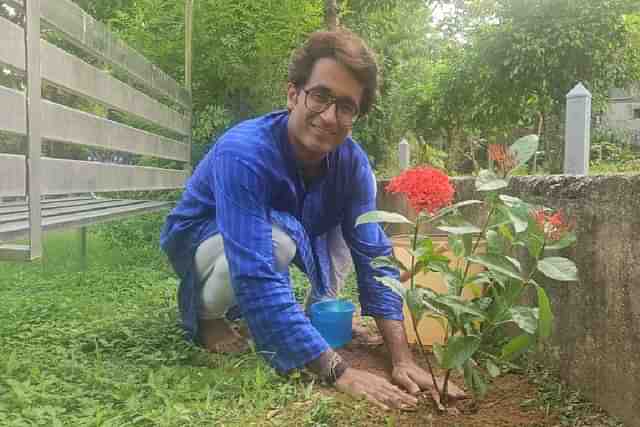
(240, 49)
(427, 154)
(398, 31)
(478, 328)
(570, 405)
(141, 232)
(102, 347)
(209, 123)
(507, 64)
(613, 152)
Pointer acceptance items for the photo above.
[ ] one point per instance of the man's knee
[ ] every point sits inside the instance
(212, 271)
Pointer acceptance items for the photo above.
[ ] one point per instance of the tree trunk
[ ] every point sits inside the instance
(331, 14)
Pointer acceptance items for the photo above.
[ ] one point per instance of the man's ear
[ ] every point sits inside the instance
(292, 96)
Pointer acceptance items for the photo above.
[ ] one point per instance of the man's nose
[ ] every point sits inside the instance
(329, 115)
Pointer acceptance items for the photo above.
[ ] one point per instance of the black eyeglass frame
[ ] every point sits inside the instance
(333, 100)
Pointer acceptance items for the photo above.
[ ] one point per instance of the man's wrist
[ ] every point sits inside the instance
(396, 340)
(329, 367)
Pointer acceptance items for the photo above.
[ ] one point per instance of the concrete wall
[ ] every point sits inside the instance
(596, 342)
(621, 112)
(620, 115)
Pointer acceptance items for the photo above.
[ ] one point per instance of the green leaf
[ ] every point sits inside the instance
(467, 239)
(394, 284)
(482, 304)
(512, 292)
(505, 231)
(453, 282)
(452, 304)
(496, 263)
(460, 229)
(510, 201)
(495, 243)
(446, 211)
(526, 318)
(382, 216)
(492, 368)
(468, 374)
(488, 181)
(545, 315)
(456, 245)
(535, 242)
(524, 148)
(567, 240)
(518, 215)
(515, 263)
(517, 346)
(558, 268)
(479, 385)
(458, 350)
(473, 379)
(414, 299)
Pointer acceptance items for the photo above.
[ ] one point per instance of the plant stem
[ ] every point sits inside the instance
(424, 355)
(414, 244)
(414, 323)
(475, 246)
(445, 386)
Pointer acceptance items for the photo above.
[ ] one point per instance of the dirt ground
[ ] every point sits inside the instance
(505, 403)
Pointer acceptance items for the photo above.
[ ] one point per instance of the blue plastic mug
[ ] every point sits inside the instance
(332, 318)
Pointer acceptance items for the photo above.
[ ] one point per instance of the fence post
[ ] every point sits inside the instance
(577, 131)
(34, 85)
(404, 154)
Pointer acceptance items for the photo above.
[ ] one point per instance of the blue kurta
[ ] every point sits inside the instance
(249, 180)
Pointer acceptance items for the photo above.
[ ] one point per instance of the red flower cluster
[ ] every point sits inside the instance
(504, 160)
(426, 188)
(553, 225)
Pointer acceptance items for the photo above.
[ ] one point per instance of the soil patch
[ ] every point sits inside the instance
(505, 403)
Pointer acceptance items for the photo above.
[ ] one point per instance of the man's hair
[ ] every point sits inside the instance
(347, 49)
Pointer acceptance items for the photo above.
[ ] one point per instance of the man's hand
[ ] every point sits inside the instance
(375, 389)
(414, 379)
(406, 373)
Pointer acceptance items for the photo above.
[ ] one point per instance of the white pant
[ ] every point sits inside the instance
(212, 271)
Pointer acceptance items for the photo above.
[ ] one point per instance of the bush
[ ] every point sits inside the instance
(140, 233)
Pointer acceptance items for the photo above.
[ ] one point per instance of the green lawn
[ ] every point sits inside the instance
(102, 347)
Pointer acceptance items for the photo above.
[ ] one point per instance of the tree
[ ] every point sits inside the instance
(532, 52)
(240, 51)
(397, 30)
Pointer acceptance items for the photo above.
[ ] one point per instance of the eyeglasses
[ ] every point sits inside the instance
(318, 100)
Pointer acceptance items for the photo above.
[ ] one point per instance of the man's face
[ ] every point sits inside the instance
(314, 135)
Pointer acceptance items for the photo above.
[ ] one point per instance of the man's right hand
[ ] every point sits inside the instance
(376, 389)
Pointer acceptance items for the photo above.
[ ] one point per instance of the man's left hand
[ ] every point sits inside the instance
(414, 379)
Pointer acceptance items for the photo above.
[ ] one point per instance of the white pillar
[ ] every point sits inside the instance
(404, 154)
(577, 138)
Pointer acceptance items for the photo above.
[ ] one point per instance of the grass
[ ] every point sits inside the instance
(102, 347)
(572, 408)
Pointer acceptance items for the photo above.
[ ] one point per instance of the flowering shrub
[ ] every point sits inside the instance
(479, 340)
(553, 225)
(504, 159)
(427, 189)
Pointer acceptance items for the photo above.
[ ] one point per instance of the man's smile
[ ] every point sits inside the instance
(323, 130)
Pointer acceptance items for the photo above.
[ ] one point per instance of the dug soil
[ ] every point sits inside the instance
(508, 402)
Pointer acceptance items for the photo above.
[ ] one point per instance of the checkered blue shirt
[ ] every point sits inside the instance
(246, 183)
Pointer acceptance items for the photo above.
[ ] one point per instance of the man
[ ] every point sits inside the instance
(266, 195)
